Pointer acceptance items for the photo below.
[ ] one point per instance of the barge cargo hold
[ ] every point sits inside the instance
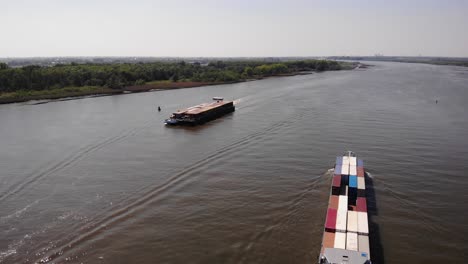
(201, 113)
(346, 232)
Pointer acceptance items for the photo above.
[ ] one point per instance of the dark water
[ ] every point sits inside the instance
(101, 180)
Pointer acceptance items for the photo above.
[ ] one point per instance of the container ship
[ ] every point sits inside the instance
(201, 113)
(346, 233)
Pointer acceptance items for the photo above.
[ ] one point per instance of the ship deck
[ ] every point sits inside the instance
(346, 232)
(201, 108)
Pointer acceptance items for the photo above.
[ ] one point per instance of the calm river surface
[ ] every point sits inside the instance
(101, 180)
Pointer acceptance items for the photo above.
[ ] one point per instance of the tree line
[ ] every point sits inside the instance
(116, 76)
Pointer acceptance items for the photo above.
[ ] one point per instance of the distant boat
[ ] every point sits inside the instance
(201, 113)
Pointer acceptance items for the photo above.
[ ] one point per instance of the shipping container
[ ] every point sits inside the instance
(345, 169)
(352, 161)
(352, 195)
(363, 244)
(333, 202)
(361, 204)
(353, 181)
(352, 170)
(361, 183)
(345, 160)
(344, 184)
(338, 169)
(363, 225)
(340, 240)
(360, 171)
(330, 223)
(352, 222)
(360, 163)
(336, 183)
(336, 180)
(361, 192)
(341, 222)
(328, 240)
(344, 190)
(351, 241)
(343, 202)
(344, 179)
(339, 160)
(336, 190)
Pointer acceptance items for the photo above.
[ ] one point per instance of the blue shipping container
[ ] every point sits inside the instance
(338, 169)
(353, 181)
(339, 160)
(360, 163)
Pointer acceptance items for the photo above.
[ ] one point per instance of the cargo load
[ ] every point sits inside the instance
(201, 113)
(346, 232)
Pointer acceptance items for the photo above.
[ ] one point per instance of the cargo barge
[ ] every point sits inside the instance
(346, 232)
(201, 113)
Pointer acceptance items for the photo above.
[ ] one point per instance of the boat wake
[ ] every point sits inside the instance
(68, 162)
(128, 207)
(77, 235)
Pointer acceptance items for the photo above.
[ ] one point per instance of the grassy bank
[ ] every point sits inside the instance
(44, 83)
(24, 95)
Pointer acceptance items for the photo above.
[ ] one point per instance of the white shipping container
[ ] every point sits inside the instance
(340, 240)
(352, 222)
(343, 203)
(345, 160)
(351, 241)
(352, 170)
(363, 244)
(361, 183)
(352, 161)
(341, 216)
(363, 225)
(345, 169)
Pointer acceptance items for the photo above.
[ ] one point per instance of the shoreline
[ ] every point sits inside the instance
(75, 93)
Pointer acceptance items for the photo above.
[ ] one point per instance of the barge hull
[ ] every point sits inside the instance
(200, 114)
(347, 220)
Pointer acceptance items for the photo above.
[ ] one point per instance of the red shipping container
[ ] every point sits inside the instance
(360, 171)
(336, 181)
(328, 240)
(333, 203)
(331, 219)
(361, 204)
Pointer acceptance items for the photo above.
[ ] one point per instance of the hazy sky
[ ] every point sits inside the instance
(233, 28)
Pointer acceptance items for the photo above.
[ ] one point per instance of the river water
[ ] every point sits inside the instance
(101, 180)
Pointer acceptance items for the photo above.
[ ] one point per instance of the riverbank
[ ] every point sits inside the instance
(73, 92)
(80, 92)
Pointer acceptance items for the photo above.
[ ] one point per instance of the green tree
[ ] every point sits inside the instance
(175, 77)
(3, 66)
(248, 71)
(114, 82)
(140, 82)
(321, 65)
